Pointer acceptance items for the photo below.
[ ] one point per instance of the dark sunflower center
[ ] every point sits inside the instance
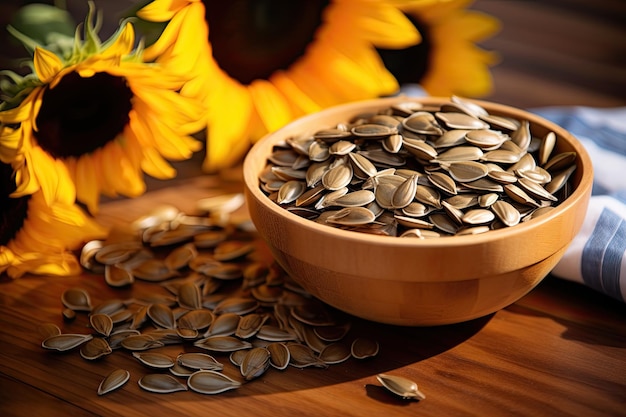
(81, 115)
(411, 64)
(13, 211)
(251, 39)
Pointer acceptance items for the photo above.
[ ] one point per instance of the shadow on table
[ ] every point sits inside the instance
(588, 316)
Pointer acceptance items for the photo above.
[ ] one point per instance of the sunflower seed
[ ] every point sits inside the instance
(400, 386)
(161, 383)
(113, 381)
(211, 382)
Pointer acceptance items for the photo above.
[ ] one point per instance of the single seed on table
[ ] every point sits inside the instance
(255, 363)
(400, 386)
(302, 356)
(196, 319)
(101, 323)
(335, 353)
(154, 359)
(279, 355)
(113, 381)
(95, 348)
(197, 361)
(140, 342)
(181, 256)
(239, 305)
(161, 383)
(116, 276)
(65, 341)
(161, 315)
(223, 325)
(48, 329)
(222, 343)
(76, 299)
(362, 348)
(211, 382)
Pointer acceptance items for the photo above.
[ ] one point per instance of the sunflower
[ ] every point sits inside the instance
(447, 61)
(37, 236)
(258, 64)
(106, 114)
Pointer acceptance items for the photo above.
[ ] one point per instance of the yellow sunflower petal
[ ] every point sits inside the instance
(47, 64)
(161, 10)
(62, 264)
(10, 141)
(290, 89)
(227, 136)
(24, 111)
(270, 104)
(128, 178)
(380, 23)
(123, 44)
(25, 181)
(155, 166)
(52, 176)
(87, 183)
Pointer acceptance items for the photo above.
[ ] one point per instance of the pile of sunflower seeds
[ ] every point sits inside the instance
(217, 297)
(413, 170)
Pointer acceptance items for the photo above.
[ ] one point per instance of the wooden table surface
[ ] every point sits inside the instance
(559, 351)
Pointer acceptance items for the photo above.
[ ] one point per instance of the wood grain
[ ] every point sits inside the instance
(558, 351)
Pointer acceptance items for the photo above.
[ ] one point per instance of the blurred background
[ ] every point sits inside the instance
(552, 52)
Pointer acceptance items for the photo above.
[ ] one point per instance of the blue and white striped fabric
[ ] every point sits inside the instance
(597, 256)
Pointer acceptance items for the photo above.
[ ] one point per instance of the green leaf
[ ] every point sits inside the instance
(39, 21)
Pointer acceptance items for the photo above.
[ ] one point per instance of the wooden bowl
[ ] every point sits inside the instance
(416, 282)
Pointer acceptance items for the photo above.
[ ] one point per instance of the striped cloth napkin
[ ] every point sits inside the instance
(596, 257)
